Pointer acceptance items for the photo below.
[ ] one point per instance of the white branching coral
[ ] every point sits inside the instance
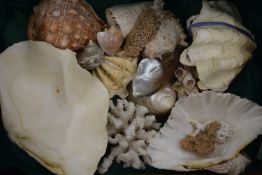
(129, 129)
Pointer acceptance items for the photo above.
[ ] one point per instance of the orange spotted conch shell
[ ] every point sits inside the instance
(64, 23)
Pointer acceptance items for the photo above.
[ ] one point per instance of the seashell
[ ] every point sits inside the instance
(116, 73)
(144, 30)
(124, 16)
(206, 107)
(233, 167)
(52, 108)
(168, 37)
(64, 23)
(91, 57)
(221, 45)
(160, 102)
(110, 40)
(148, 77)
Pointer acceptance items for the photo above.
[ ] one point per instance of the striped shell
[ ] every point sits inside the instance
(64, 23)
(116, 73)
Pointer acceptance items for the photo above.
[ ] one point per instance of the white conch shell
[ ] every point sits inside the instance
(159, 102)
(52, 108)
(233, 167)
(219, 52)
(116, 72)
(244, 116)
(124, 16)
(148, 77)
(168, 37)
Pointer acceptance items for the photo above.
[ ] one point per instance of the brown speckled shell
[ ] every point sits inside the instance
(64, 23)
(144, 30)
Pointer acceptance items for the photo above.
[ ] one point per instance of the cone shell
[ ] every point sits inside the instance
(218, 52)
(144, 31)
(116, 73)
(64, 24)
(242, 115)
(124, 16)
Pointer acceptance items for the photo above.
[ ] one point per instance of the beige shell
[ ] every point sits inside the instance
(218, 52)
(124, 16)
(64, 24)
(159, 102)
(169, 35)
(233, 167)
(144, 30)
(116, 73)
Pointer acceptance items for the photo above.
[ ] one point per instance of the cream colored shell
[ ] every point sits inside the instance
(218, 52)
(244, 117)
(52, 108)
(116, 73)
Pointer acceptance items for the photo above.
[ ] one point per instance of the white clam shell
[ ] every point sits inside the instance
(52, 108)
(218, 52)
(244, 116)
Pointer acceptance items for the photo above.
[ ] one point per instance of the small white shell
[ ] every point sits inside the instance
(244, 116)
(233, 167)
(160, 102)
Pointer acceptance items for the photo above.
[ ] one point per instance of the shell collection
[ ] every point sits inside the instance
(141, 55)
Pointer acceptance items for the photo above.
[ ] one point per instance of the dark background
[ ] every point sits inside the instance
(13, 23)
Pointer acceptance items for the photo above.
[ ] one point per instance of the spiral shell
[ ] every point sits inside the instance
(124, 16)
(160, 102)
(116, 73)
(91, 57)
(64, 24)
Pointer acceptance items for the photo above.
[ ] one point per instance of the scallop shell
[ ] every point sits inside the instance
(169, 35)
(124, 16)
(91, 57)
(160, 102)
(244, 117)
(235, 166)
(64, 24)
(221, 45)
(148, 77)
(110, 40)
(116, 73)
(144, 30)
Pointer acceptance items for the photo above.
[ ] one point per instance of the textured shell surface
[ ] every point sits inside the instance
(64, 23)
(50, 107)
(144, 30)
(233, 167)
(218, 52)
(159, 102)
(166, 39)
(110, 40)
(241, 114)
(116, 72)
(91, 57)
(124, 16)
(148, 77)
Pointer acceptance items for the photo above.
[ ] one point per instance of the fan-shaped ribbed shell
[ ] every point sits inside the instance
(116, 73)
(64, 23)
(242, 115)
(124, 16)
(220, 47)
